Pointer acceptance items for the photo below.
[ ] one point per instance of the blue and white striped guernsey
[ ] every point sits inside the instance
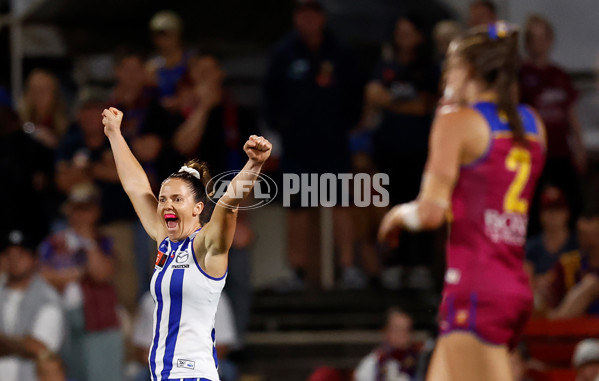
(186, 300)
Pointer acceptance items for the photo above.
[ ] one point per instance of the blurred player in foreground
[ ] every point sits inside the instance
(486, 155)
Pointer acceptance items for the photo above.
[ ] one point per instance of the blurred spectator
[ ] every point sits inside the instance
(366, 219)
(404, 89)
(518, 359)
(215, 126)
(311, 96)
(549, 89)
(226, 337)
(166, 69)
(42, 108)
(26, 165)
(78, 261)
(575, 287)
(84, 156)
(482, 12)
(444, 32)
(50, 367)
(546, 249)
(396, 359)
(214, 130)
(145, 122)
(31, 320)
(586, 360)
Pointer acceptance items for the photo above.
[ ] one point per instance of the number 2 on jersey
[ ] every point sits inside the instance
(518, 160)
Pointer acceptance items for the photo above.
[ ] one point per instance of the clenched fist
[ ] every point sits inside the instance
(111, 119)
(257, 148)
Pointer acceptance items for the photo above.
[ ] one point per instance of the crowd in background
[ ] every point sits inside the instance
(76, 262)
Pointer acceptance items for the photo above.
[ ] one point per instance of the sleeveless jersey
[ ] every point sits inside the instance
(489, 206)
(186, 300)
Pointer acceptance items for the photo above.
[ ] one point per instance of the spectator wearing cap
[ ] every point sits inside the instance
(556, 239)
(312, 92)
(79, 262)
(574, 290)
(31, 318)
(482, 12)
(549, 89)
(586, 360)
(167, 68)
(84, 156)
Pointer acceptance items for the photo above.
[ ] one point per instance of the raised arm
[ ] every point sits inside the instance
(133, 178)
(218, 233)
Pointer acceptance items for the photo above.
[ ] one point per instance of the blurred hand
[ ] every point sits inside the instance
(390, 227)
(111, 119)
(210, 94)
(45, 136)
(377, 95)
(544, 288)
(71, 274)
(258, 149)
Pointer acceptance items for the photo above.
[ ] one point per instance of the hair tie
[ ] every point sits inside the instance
(191, 171)
(498, 30)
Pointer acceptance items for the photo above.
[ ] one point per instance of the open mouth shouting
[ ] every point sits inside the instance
(172, 221)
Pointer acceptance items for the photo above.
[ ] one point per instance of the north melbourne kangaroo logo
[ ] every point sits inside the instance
(182, 257)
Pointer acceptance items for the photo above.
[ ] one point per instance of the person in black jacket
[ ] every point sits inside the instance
(312, 92)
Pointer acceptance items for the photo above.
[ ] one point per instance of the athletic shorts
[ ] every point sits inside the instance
(494, 319)
(188, 379)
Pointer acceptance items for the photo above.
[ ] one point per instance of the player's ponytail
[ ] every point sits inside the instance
(506, 87)
(197, 176)
(492, 53)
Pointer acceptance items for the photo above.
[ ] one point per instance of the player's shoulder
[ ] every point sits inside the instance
(539, 125)
(458, 117)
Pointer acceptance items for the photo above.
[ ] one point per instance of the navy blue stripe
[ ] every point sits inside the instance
(158, 291)
(176, 294)
(214, 348)
(473, 302)
(451, 311)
